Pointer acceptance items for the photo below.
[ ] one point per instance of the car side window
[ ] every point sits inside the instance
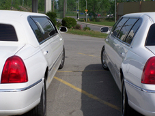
(114, 26)
(133, 31)
(7, 33)
(119, 26)
(36, 30)
(45, 25)
(126, 28)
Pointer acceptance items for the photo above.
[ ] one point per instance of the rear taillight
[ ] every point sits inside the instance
(148, 76)
(14, 71)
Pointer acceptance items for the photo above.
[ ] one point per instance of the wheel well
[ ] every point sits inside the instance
(103, 47)
(121, 75)
(46, 73)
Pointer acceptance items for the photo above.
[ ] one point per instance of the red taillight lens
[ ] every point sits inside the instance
(14, 71)
(148, 76)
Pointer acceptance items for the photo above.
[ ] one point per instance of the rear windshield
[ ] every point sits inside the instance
(150, 40)
(7, 33)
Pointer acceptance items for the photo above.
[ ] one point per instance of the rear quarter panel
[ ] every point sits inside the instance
(134, 63)
(35, 63)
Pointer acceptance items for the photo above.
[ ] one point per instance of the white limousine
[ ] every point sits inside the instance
(31, 51)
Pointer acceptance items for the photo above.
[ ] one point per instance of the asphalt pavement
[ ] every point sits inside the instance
(82, 87)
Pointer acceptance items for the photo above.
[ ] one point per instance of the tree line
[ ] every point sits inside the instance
(20, 5)
(94, 6)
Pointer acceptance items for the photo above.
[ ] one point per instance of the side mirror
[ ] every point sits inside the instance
(63, 29)
(105, 30)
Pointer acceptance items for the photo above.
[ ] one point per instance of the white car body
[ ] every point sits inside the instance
(126, 62)
(41, 60)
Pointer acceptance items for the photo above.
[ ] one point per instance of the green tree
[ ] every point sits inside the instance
(52, 16)
(41, 6)
(71, 5)
(5, 4)
(95, 6)
(60, 5)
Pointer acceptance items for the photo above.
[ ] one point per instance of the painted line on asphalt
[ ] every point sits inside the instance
(88, 94)
(84, 71)
(89, 55)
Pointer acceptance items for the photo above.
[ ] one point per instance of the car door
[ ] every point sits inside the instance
(124, 46)
(128, 64)
(51, 44)
(112, 47)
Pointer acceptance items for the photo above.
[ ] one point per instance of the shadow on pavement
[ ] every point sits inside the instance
(100, 84)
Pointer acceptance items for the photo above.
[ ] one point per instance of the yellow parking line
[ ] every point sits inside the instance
(88, 94)
(82, 53)
(92, 55)
(83, 71)
(89, 55)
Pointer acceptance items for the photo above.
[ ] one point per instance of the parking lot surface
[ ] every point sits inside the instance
(82, 87)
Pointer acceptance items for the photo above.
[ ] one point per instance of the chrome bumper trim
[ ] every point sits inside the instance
(20, 89)
(138, 88)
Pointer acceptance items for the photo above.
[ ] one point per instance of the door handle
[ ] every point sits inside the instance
(122, 54)
(106, 40)
(45, 52)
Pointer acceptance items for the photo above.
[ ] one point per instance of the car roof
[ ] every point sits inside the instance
(19, 20)
(138, 15)
(16, 15)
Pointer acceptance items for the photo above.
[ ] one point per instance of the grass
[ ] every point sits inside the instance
(87, 33)
(106, 22)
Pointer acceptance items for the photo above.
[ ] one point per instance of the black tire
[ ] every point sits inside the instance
(104, 65)
(63, 59)
(40, 109)
(126, 109)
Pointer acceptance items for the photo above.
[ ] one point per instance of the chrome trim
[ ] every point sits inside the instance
(20, 89)
(138, 88)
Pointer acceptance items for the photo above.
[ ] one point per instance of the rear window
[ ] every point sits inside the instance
(45, 26)
(119, 26)
(7, 33)
(126, 28)
(133, 31)
(150, 40)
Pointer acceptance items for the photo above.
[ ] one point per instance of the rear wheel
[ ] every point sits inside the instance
(62, 60)
(126, 110)
(40, 109)
(104, 65)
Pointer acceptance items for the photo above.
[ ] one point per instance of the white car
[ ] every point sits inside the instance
(31, 51)
(129, 53)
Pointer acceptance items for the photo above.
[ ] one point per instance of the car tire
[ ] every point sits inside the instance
(63, 59)
(126, 109)
(104, 65)
(40, 109)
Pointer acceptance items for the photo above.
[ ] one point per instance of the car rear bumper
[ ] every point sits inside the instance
(19, 101)
(142, 100)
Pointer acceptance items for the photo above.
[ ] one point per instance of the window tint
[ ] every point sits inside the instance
(7, 33)
(126, 28)
(133, 31)
(150, 40)
(45, 26)
(119, 26)
(36, 30)
(114, 26)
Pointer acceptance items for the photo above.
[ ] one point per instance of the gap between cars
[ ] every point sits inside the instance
(88, 94)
